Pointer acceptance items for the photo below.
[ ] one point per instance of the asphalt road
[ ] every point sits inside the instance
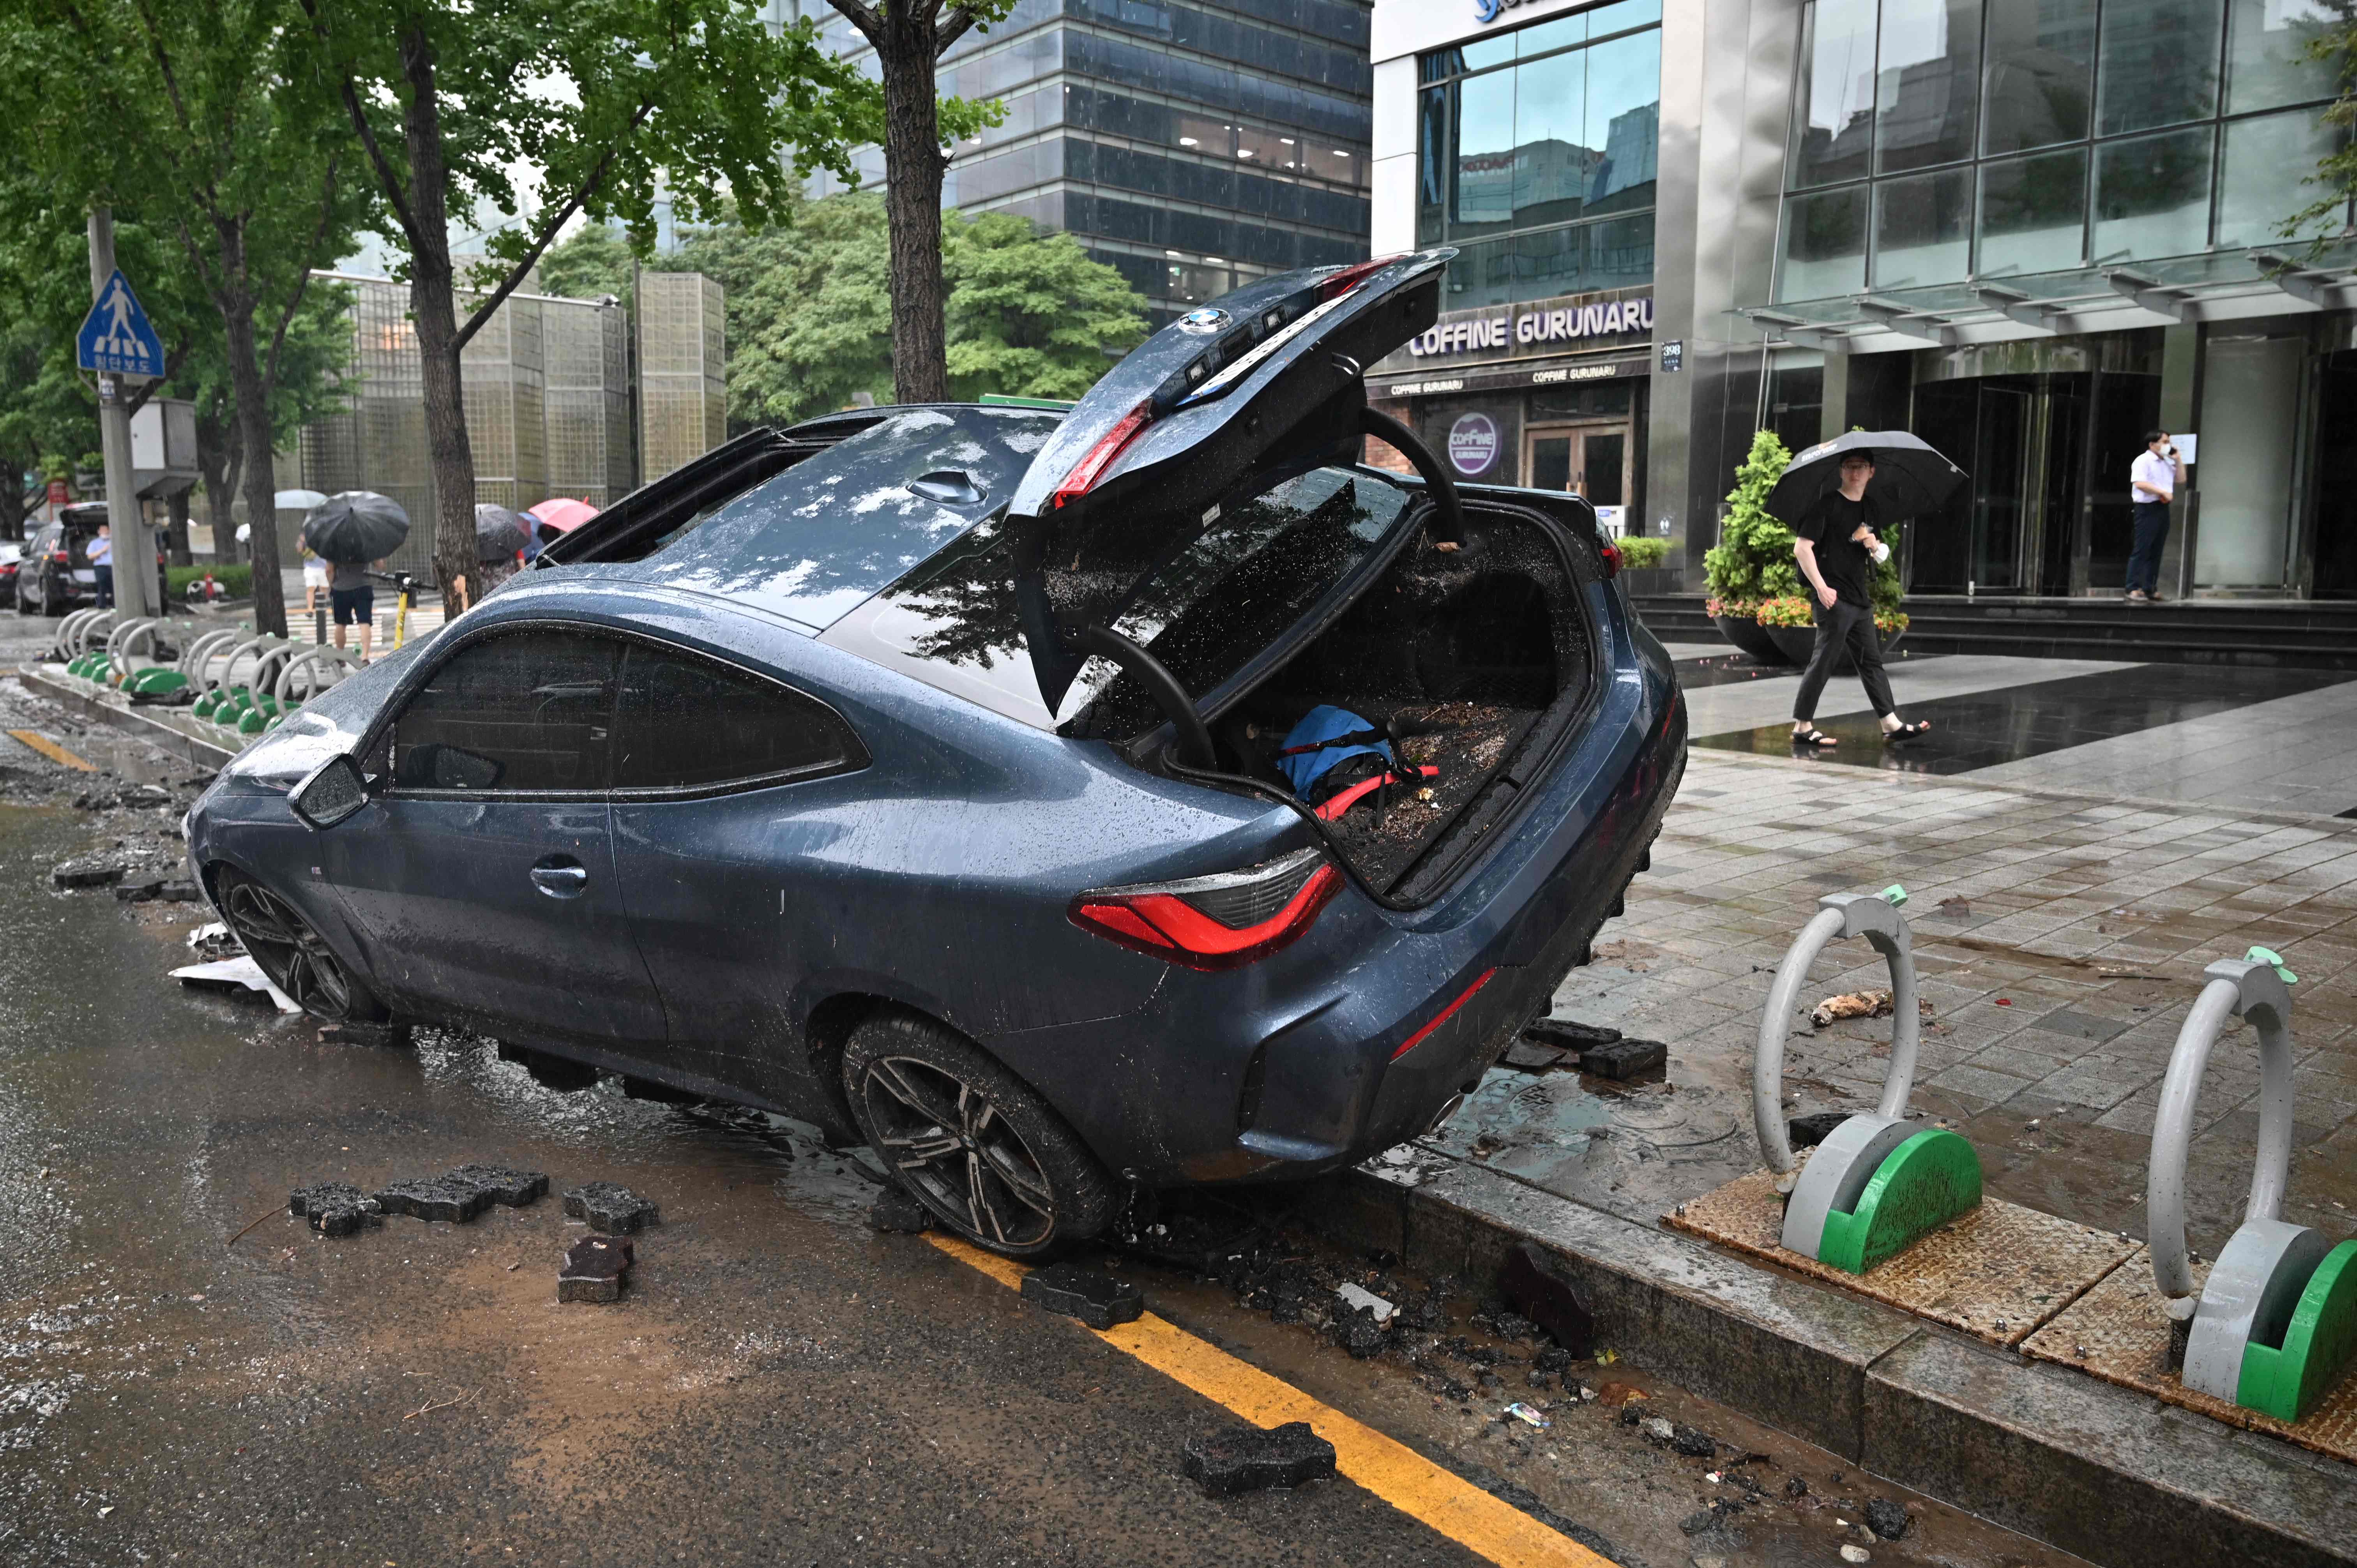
(780, 1385)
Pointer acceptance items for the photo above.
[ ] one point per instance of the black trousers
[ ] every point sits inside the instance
(1844, 625)
(2151, 533)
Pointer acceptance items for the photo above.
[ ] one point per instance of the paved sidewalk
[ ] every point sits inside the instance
(2058, 995)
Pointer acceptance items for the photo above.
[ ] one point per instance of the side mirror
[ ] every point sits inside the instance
(332, 791)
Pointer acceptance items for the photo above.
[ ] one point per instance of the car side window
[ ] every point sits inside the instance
(526, 710)
(685, 722)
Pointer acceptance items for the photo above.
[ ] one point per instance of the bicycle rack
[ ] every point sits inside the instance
(231, 704)
(154, 679)
(1878, 1183)
(199, 654)
(2277, 1324)
(74, 632)
(318, 668)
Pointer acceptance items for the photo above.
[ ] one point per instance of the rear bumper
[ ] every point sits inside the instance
(1302, 1063)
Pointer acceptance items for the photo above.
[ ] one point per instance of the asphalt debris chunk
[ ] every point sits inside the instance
(1808, 1131)
(1886, 1518)
(612, 1208)
(1249, 1459)
(594, 1268)
(1526, 1056)
(1097, 1299)
(1693, 1442)
(354, 1031)
(896, 1212)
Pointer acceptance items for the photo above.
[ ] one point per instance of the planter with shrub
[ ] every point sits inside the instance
(1792, 624)
(1757, 598)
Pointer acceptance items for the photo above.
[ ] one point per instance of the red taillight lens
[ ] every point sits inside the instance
(1085, 473)
(1445, 1014)
(1611, 554)
(1214, 922)
(62, 558)
(1352, 276)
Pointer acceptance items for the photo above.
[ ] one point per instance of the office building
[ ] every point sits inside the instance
(2026, 230)
(1193, 145)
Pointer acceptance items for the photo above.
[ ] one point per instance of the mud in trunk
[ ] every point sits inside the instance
(1474, 659)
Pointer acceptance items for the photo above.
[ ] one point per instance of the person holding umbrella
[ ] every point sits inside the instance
(1836, 542)
(353, 532)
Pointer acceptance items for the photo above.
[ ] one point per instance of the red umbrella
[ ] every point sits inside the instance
(563, 515)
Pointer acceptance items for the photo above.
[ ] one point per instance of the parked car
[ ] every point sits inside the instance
(921, 772)
(55, 575)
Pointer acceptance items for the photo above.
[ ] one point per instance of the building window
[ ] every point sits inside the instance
(1536, 152)
(1937, 142)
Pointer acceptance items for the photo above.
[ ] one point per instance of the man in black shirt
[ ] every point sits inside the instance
(1838, 548)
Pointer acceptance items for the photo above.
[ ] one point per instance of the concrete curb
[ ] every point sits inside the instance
(116, 712)
(2111, 1475)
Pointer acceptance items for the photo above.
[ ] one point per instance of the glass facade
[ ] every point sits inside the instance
(1535, 156)
(1943, 142)
(1193, 145)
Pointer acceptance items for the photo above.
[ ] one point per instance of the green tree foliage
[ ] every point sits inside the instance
(809, 314)
(1029, 315)
(2324, 219)
(201, 119)
(1753, 559)
(594, 261)
(614, 103)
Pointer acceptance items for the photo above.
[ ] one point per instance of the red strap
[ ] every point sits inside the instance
(1333, 809)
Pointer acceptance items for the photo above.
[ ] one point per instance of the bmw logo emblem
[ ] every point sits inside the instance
(1203, 323)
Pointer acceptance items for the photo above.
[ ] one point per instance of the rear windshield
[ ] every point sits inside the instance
(1263, 563)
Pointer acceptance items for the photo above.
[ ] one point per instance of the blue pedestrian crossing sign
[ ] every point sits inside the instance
(116, 338)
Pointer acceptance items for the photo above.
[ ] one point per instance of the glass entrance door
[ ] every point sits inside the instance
(1590, 461)
(2000, 488)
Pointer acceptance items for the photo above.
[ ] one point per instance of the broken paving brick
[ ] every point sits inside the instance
(1568, 1035)
(1527, 1057)
(435, 1197)
(508, 1186)
(142, 890)
(302, 1200)
(612, 1208)
(87, 871)
(1541, 1293)
(594, 1268)
(895, 1212)
(1249, 1459)
(180, 893)
(1624, 1058)
(1098, 1300)
(1886, 1518)
(335, 1208)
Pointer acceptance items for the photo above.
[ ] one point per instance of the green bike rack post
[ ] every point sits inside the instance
(1878, 1183)
(2275, 1326)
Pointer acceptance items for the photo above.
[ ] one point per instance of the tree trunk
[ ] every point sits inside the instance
(176, 532)
(254, 437)
(217, 464)
(913, 167)
(12, 499)
(434, 308)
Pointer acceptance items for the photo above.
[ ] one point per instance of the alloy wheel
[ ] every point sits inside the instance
(297, 959)
(950, 1142)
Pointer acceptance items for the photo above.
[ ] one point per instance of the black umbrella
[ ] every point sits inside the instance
(498, 533)
(1910, 477)
(355, 527)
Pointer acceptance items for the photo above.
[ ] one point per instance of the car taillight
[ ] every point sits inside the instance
(1354, 274)
(1214, 922)
(1611, 554)
(1085, 473)
(7, 568)
(62, 558)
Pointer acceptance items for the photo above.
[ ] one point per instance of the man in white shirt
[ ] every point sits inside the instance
(2153, 479)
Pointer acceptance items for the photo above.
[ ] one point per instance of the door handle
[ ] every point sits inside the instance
(561, 876)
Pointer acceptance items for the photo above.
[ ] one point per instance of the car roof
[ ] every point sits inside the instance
(842, 524)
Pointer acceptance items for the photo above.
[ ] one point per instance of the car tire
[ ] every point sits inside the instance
(297, 960)
(973, 1143)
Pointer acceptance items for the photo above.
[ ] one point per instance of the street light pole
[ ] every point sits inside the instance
(135, 547)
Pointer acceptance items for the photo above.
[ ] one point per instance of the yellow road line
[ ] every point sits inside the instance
(1390, 1470)
(51, 749)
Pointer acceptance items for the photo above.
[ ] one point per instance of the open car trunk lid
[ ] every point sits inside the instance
(1270, 374)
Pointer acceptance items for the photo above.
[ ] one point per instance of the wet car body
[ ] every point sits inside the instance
(936, 853)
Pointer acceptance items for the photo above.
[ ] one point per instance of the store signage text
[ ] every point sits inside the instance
(1488, 11)
(1563, 324)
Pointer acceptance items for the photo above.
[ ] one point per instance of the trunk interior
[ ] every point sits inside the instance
(1477, 659)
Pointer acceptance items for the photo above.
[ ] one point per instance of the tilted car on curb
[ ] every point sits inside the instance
(922, 772)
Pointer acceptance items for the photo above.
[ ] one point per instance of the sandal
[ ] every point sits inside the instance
(1908, 732)
(1813, 736)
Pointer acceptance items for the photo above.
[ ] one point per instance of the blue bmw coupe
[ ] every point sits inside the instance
(1068, 804)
